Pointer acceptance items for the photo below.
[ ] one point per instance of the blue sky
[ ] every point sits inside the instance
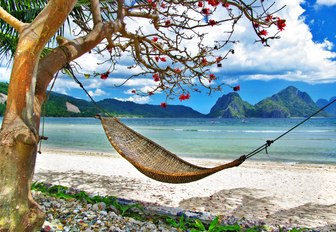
(304, 57)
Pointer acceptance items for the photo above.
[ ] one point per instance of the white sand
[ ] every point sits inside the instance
(277, 193)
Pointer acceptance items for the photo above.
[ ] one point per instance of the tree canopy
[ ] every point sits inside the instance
(167, 41)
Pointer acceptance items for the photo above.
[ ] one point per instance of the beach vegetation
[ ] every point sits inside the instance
(138, 212)
(66, 193)
(168, 38)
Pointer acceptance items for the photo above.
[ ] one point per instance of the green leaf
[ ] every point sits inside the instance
(213, 224)
(227, 228)
(172, 222)
(199, 225)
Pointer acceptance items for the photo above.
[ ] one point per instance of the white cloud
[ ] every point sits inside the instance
(136, 99)
(326, 2)
(135, 82)
(64, 85)
(293, 57)
(4, 74)
(97, 93)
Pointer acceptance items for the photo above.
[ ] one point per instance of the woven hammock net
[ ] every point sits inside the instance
(153, 160)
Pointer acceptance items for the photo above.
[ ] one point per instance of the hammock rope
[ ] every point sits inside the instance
(155, 161)
(42, 137)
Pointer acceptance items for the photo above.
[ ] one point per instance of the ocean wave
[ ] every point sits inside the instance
(230, 131)
(263, 131)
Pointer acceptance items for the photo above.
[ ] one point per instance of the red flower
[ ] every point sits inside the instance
(177, 70)
(167, 23)
(156, 77)
(256, 25)
(219, 59)
(206, 11)
(134, 91)
(150, 93)
(213, 3)
(269, 18)
(163, 5)
(263, 32)
(184, 97)
(236, 88)
(163, 105)
(152, 3)
(157, 58)
(281, 23)
(212, 77)
(109, 49)
(226, 5)
(155, 39)
(163, 59)
(104, 75)
(212, 22)
(204, 61)
(200, 4)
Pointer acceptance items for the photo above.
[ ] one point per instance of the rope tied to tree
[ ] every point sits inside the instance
(42, 137)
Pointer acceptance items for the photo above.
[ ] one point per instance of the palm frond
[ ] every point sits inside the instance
(8, 45)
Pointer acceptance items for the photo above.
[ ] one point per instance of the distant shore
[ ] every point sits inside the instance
(276, 193)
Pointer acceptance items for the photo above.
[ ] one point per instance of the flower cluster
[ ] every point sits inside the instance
(236, 88)
(280, 23)
(173, 67)
(163, 104)
(212, 77)
(105, 75)
(158, 58)
(184, 97)
(156, 77)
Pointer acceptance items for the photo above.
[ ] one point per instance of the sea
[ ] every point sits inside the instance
(312, 142)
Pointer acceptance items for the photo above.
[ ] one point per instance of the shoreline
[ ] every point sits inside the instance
(113, 153)
(276, 193)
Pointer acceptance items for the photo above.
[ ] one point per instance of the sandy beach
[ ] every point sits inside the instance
(276, 193)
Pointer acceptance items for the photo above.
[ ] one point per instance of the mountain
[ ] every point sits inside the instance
(289, 102)
(60, 105)
(147, 110)
(230, 106)
(330, 110)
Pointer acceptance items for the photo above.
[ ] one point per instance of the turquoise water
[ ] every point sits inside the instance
(313, 142)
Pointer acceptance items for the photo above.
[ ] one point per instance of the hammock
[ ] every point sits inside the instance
(158, 163)
(153, 160)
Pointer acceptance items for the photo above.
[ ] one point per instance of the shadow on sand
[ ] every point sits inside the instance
(239, 202)
(247, 203)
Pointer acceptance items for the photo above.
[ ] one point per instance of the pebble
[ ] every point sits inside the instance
(73, 215)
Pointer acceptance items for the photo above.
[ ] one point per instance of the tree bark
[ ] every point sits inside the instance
(18, 135)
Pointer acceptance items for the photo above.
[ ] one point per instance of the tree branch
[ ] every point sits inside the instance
(65, 53)
(32, 40)
(11, 20)
(95, 10)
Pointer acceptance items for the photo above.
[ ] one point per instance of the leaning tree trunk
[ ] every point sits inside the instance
(19, 131)
(18, 212)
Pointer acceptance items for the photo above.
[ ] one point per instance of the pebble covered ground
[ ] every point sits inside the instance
(75, 215)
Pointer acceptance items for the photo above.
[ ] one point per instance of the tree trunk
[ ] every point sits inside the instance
(19, 132)
(19, 212)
